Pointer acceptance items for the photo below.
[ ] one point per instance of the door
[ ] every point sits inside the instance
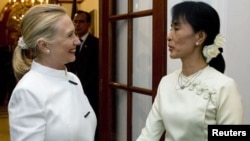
(132, 62)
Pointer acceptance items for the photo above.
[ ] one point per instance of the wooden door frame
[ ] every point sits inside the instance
(105, 120)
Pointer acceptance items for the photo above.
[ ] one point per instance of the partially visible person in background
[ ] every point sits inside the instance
(198, 94)
(7, 78)
(86, 65)
(48, 103)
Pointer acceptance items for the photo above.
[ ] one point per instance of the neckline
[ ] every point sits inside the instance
(186, 81)
(49, 71)
(192, 74)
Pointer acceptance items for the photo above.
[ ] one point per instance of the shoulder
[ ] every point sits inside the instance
(171, 76)
(72, 76)
(217, 77)
(92, 37)
(92, 41)
(27, 89)
(213, 82)
(30, 79)
(29, 82)
(169, 80)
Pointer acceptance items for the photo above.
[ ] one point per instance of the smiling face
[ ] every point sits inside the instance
(181, 39)
(63, 47)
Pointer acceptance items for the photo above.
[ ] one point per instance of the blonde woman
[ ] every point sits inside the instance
(48, 103)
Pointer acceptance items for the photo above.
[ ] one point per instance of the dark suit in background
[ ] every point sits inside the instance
(86, 68)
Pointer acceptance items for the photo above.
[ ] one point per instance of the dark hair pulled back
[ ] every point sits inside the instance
(202, 17)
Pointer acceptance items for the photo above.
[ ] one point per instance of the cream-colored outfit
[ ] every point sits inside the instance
(45, 106)
(212, 98)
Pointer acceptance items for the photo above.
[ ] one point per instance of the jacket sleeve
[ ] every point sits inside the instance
(230, 108)
(154, 127)
(26, 117)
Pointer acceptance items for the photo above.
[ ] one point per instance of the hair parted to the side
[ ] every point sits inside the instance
(88, 16)
(202, 17)
(38, 22)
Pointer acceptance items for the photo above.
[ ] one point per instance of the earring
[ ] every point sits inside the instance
(197, 43)
(48, 51)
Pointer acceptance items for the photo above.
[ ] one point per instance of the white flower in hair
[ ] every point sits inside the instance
(22, 44)
(211, 51)
(219, 40)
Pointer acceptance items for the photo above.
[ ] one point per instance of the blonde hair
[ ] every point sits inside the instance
(38, 22)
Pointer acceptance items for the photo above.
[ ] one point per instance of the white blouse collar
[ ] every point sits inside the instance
(48, 71)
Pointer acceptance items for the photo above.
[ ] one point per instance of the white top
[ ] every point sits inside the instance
(45, 106)
(185, 114)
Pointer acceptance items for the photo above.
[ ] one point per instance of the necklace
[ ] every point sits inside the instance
(184, 82)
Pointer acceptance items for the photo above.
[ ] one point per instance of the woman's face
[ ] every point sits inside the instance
(181, 39)
(62, 50)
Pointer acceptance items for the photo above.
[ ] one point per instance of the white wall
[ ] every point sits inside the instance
(235, 20)
(238, 37)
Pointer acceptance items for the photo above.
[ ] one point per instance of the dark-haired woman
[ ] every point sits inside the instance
(199, 94)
